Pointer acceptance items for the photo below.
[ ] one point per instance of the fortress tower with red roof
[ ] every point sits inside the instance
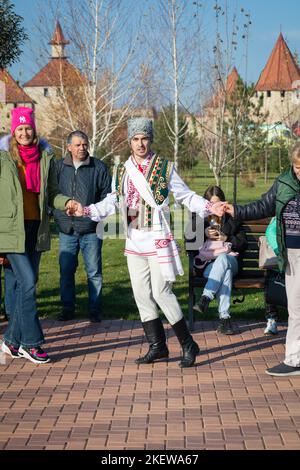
(46, 85)
(279, 85)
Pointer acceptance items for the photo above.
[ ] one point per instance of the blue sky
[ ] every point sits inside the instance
(268, 18)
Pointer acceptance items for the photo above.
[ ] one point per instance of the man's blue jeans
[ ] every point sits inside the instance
(20, 282)
(90, 246)
(219, 276)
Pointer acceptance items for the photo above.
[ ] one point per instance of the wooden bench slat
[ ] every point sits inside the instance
(251, 273)
(253, 237)
(257, 222)
(252, 246)
(250, 283)
(250, 263)
(254, 228)
(250, 255)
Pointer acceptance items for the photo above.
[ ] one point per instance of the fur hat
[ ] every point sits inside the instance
(140, 125)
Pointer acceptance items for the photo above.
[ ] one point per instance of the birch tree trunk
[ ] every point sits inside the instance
(171, 51)
(93, 139)
(218, 125)
(175, 78)
(103, 50)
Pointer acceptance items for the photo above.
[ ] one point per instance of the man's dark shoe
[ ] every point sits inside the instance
(202, 305)
(190, 348)
(156, 351)
(283, 370)
(225, 327)
(95, 317)
(66, 315)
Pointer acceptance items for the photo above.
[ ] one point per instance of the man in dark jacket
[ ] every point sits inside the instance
(87, 180)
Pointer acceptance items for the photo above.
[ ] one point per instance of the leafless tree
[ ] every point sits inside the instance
(173, 32)
(103, 48)
(226, 119)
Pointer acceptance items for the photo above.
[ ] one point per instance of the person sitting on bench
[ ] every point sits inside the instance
(220, 271)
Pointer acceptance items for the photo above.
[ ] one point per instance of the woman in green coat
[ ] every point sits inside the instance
(283, 200)
(28, 186)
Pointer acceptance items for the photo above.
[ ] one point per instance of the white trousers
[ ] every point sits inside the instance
(292, 283)
(149, 288)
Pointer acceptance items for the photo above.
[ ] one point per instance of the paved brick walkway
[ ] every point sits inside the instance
(93, 396)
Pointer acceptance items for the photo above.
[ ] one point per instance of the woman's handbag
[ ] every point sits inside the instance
(267, 258)
(275, 292)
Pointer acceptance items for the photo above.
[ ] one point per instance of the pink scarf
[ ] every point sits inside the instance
(30, 155)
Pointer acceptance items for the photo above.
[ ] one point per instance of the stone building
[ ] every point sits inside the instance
(11, 96)
(279, 85)
(51, 81)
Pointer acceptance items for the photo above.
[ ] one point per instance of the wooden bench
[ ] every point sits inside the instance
(251, 277)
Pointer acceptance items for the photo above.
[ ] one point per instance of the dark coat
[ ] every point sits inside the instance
(285, 188)
(89, 184)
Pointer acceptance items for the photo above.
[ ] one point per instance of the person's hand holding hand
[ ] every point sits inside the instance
(219, 208)
(74, 208)
(230, 209)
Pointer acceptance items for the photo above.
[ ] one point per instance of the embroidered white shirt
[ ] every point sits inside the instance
(141, 242)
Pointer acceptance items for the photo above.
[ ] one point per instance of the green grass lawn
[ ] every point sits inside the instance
(118, 302)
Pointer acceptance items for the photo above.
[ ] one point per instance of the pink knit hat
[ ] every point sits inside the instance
(20, 116)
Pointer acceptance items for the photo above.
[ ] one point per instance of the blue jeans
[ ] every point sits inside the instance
(10, 281)
(91, 246)
(5, 300)
(219, 276)
(9, 286)
(8, 298)
(20, 281)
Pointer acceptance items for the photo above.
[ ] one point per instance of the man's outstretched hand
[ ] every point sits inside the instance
(219, 208)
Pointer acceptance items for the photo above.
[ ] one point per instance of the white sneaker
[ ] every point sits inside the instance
(10, 350)
(271, 328)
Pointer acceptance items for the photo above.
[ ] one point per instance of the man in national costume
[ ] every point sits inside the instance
(140, 190)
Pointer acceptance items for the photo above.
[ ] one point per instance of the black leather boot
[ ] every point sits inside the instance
(156, 338)
(66, 315)
(190, 348)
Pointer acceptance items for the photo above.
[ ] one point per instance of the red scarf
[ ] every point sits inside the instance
(30, 155)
